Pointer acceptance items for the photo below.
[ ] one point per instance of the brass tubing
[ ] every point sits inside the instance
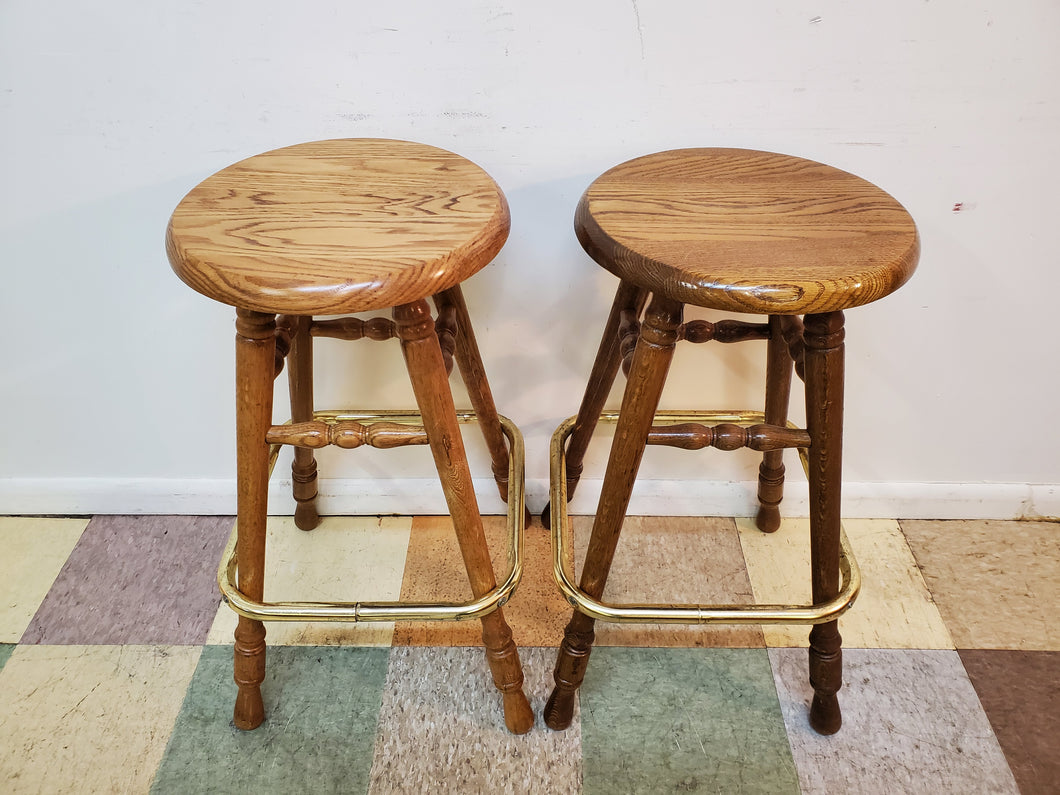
(685, 614)
(394, 611)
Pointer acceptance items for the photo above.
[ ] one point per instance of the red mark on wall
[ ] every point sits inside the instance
(958, 207)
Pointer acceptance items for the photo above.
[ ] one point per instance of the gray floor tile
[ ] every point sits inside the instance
(911, 724)
(441, 728)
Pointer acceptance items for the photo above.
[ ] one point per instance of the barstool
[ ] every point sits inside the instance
(740, 231)
(334, 228)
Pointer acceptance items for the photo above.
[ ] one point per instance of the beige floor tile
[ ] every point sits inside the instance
(34, 553)
(997, 584)
(894, 608)
(673, 560)
(537, 612)
(89, 718)
(346, 558)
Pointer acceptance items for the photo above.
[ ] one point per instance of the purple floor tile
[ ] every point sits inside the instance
(136, 580)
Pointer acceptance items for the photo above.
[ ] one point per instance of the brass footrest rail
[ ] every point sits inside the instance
(684, 614)
(393, 611)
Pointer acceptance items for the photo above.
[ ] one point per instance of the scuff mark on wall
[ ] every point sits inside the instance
(640, 27)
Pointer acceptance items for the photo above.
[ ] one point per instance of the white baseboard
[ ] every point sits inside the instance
(80, 496)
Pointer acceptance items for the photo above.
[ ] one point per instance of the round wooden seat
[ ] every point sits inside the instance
(748, 231)
(335, 227)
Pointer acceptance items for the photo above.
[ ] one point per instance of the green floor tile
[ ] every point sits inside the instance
(322, 706)
(683, 720)
(5, 652)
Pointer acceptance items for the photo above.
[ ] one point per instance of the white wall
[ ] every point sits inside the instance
(116, 382)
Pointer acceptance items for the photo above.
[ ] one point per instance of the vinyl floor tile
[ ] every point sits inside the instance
(88, 718)
(1020, 694)
(656, 715)
(996, 583)
(136, 580)
(35, 550)
(344, 559)
(673, 560)
(911, 724)
(441, 729)
(894, 608)
(434, 571)
(683, 720)
(322, 707)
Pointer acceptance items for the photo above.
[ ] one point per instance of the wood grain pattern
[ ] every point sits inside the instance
(423, 355)
(778, 393)
(651, 361)
(335, 227)
(748, 231)
(255, 354)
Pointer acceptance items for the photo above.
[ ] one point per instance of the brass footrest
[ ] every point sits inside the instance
(684, 614)
(394, 611)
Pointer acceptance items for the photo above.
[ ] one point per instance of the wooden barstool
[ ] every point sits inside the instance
(334, 228)
(741, 231)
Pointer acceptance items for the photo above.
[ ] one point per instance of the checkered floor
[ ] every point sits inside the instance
(116, 664)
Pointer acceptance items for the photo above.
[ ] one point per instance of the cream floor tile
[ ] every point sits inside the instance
(673, 560)
(996, 583)
(346, 558)
(89, 718)
(34, 553)
(894, 608)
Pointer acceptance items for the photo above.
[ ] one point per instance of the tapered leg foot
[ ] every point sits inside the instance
(249, 673)
(768, 519)
(250, 709)
(503, 658)
(569, 674)
(518, 714)
(559, 710)
(825, 717)
(306, 516)
(546, 516)
(826, 677)
(770, 493)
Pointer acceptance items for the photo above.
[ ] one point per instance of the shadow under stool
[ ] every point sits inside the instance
(334, 228)
(740, 231)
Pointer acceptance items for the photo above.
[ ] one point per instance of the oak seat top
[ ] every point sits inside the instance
(339, 226)
(748, 231)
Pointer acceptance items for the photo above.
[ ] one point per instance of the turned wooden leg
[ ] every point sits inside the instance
(824, 421)
(255, 369)
(431, 386)
(778, 391)
(628, 298)
(469, 360)
(651, 361)
(300, 381)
